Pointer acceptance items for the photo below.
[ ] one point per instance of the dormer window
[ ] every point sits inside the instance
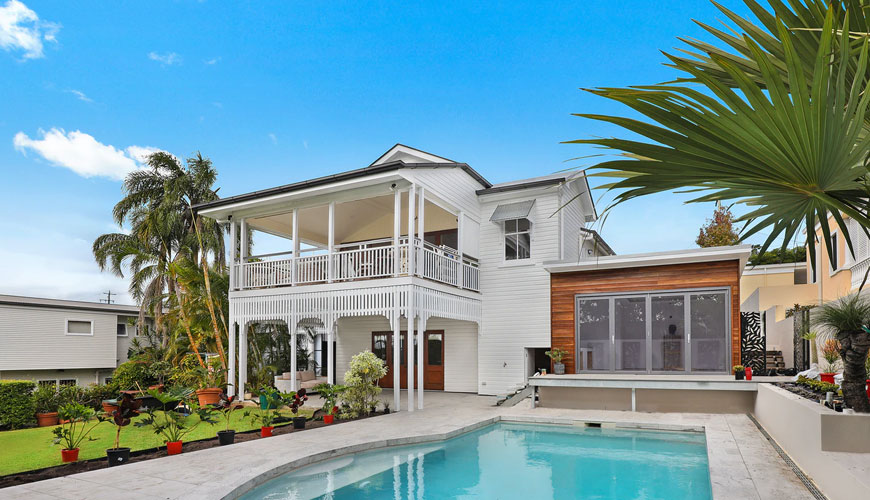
(517, 239)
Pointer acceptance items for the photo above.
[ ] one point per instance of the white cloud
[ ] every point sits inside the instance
(82, 154)
(81, 95)
(212, 61)
(273, 138)
(21, 30)
(140, 153)
(167, 59)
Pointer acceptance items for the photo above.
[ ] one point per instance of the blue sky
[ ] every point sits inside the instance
(275, 92)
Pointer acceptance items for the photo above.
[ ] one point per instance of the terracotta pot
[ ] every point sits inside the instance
(158, 387)
(827, 377)
(266, 431)
(173, 447)
(327, 419)
(67, 456)
(46, 419)
(109, 407)
(209, 396)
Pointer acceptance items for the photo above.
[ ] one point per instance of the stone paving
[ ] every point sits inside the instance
(742, 463)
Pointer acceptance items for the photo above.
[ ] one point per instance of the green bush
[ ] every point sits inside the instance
(94, 395)
(133, 375)
(818, 385)
(16, 405)
(361, 394)
(46, 399)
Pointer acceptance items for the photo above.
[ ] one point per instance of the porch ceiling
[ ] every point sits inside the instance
(358, 220)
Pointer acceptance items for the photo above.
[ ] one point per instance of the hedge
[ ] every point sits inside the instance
(16, 405)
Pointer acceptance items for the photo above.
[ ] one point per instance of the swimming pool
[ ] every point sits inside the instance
(508, 460)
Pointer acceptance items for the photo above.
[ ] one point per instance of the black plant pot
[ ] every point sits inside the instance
(226, 437)
(118, 456)
(738, 375)
(386, 411)
(299, 422)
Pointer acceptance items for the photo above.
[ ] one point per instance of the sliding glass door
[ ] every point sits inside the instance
(656, 332)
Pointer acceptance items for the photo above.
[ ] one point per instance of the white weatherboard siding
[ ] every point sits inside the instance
(35, 339)
(572, 220)
(516, 298)
(453, 185)
(460, 347)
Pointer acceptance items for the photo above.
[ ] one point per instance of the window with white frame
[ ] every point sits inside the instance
(79, 327)
(517, 239)
(122, 330)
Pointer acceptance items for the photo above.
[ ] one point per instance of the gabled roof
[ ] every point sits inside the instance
(378, 166)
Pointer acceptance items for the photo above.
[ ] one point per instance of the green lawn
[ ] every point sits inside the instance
(29, 449)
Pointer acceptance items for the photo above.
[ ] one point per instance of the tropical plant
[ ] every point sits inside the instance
(831, 353)
(173, 425)
(846, 319)
(329, 393)
(266, 414)
(46, 398)
(556, 354)
(295, 400)
(133, 375)
(718, 231)
(817, 385)
(193, 374)
(121, 417)
(362, 384)
(226, 406)
(77, 425)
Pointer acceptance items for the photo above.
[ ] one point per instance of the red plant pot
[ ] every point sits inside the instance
(67, 456)
(173, 447)
(827, 377)
(867, 387)
(266, 431)
(327, 419)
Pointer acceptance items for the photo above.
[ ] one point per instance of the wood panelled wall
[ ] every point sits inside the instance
(565, 286)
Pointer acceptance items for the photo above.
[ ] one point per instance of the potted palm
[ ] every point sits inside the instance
(46, 400)
(831, 353)
(75, 430)
(211, 378)
(329, 393)
(556, 355)
(173, 425)
(739, 372)
(127, 409)
(270, 401)
(226, 406)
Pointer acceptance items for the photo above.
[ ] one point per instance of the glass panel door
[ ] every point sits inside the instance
(668, 333)
(593, 334)
(629, 329)
(709, 332)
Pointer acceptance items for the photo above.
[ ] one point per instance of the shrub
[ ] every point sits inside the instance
(95, 394)
(132, 375)
(818, 385)
(362, 384)
(46, 399)
(72, 394)
(16, 405)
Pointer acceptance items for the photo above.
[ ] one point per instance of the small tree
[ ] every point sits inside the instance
(718, 231)
(846, 319)
(362, 384)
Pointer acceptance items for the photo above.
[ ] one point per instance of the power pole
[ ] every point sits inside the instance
(108, 299)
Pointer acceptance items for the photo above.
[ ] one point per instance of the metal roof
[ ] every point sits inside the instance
(517, 210)
(16, 300)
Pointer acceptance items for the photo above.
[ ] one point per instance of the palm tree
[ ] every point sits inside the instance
(845, 319)
(791, 147)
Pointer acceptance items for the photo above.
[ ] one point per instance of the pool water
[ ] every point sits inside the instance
(508, 460)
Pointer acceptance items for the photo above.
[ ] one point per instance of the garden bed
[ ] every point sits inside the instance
(801, 391)
(151, 453)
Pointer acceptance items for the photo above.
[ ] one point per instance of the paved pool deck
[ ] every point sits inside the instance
(742, 462)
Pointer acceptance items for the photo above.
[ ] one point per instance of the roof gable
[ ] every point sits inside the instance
(407, 154)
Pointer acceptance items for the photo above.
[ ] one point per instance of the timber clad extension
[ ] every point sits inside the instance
(566, 286)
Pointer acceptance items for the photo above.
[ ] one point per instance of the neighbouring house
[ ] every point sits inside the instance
(63, 342)
(470, 263)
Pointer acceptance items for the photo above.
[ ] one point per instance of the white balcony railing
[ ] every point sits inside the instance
(359, 261)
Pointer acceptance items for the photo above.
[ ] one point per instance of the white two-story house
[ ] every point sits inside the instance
(411, 243)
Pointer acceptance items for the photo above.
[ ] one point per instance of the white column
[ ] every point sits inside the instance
(412, 248)
(330, 266)
(397, 228)
(330, 353)
(243, 251)
(460, 233)
(397, 359)
(231, 360)
(234, 240)
(243, 359)
(421, 223)
(412, 318)
(421, 338)
(292, 326)
(294, 273)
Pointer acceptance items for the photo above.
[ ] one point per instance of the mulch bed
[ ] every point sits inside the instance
(801, 390)
(142, 455)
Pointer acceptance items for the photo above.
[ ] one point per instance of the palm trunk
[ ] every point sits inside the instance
(187, 326)
(853, 350)
(218, 336)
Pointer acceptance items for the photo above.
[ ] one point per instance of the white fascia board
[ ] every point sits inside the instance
(269, 204)
(519, 194)
(714, 254)
(775, 268)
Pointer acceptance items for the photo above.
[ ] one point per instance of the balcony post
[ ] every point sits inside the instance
(412, 248)
(460, 233)
(330, 353)
(231, 357)
(294, 273)
(412, 319)
(243, 360)
(397, 359)
(234, 245)
(293, 346)
(397, 228)
(330, 264)
(421, 220)
(243, 251)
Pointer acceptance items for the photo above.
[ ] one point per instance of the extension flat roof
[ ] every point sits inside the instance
(79, 305)
(712, 254)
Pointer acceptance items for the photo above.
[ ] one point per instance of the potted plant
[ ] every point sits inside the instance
(386, 407)
(295, 400)
(270, 401)
(831, 353)
(556, 355)
(46, 400)
(127, 409)
(76, 429)
(173, 425)
(329, 393)
(739, 372)
(226, 406)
